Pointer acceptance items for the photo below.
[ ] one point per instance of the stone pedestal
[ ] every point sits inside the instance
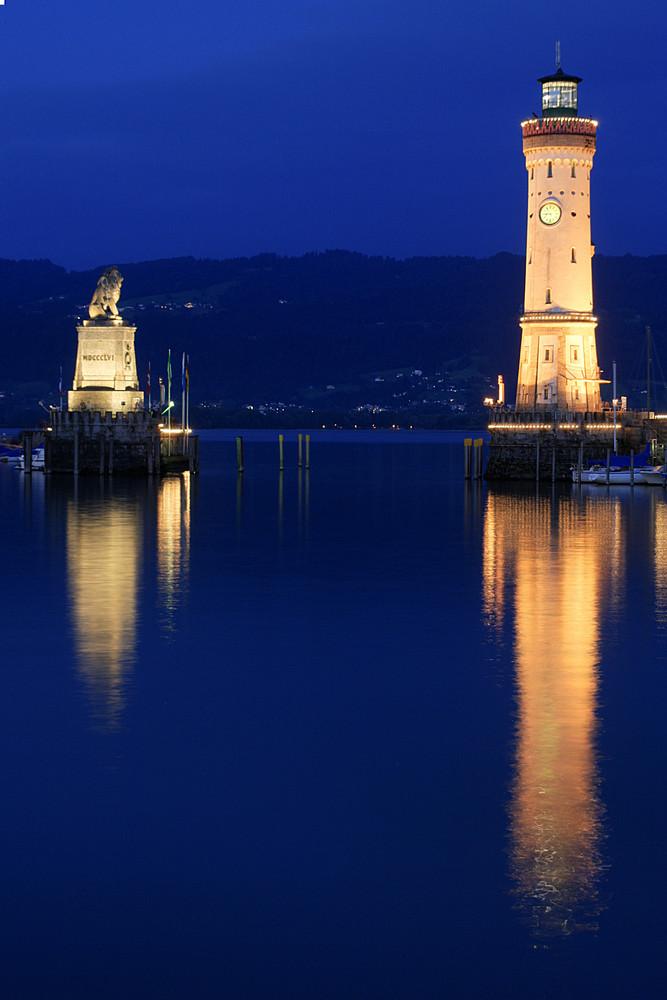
(105, 378)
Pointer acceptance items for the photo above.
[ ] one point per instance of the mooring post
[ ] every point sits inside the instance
(76, 446)
(608, 462)
(580, 462)
(537, 461)
(239, 454)
(479, 444)
(632, 467)
(467, 458)
(280, 452)
(27, 453)
(300, 450)
(553, 464)
(307, 451)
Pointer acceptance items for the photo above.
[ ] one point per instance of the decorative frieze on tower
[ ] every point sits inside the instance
(558, 367)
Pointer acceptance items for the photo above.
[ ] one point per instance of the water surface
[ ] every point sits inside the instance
(363, 731)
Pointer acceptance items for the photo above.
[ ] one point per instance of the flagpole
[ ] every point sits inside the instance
(60, 388)
(187, 390)
(169, 397)
(148, 386)
(183, 399)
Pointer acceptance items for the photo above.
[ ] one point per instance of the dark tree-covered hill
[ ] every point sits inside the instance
(271, 327)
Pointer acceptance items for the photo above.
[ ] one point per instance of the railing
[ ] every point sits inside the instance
(558, 126)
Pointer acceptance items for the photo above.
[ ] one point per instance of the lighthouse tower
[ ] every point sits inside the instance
(558, 367)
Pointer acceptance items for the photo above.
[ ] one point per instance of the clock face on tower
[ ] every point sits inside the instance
(550, 213)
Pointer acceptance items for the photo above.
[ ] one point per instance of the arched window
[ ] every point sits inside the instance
(548, 297)
(573, 257)
(573, 172)
(549, 169)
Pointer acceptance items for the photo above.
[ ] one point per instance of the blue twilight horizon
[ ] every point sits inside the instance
(152, 130)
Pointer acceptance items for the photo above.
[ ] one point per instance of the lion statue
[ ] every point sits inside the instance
(106, 295)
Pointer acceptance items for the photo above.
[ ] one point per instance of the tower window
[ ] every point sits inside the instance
(548, 354)
(573, 172)
(532, 172)
(576, 394)
(549, 169)
(546, 392)
(530, 256)
(574, 354)
(548, 297)
(573, 256)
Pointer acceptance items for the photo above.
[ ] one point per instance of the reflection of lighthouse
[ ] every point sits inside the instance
(558, 559)
(103, 549)
(173, 541)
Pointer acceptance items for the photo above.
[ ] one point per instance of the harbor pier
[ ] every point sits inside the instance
(81, 442)
(548, 444)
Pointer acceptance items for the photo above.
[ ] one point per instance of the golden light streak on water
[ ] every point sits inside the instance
(550, 562)
(173, 542)
(103, 558)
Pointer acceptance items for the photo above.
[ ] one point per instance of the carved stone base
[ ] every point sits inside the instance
(105, 400)
(105, 356)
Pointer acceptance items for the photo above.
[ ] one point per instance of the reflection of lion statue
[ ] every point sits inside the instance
(106, 294)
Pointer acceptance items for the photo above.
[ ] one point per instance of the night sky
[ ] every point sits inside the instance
(142, 129)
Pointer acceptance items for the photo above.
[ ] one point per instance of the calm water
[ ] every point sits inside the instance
(362, 732)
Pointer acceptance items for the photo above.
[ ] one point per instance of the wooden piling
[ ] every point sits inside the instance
(632, 467)
(281, 452)
(467, 458)
(307, 451)
(608, 462)
(478, 458)
(300, 449)
(239, 454)
(27, 453)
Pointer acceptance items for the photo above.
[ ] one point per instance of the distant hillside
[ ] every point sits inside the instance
(269, 327)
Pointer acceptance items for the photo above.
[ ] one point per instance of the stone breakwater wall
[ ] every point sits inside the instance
(536, 457)
(82, 443)
(547, 446)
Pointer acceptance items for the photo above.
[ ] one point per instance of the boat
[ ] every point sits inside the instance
(619, 469)
(620, 477)
(37, 460)
(10, 452)
(655, 476)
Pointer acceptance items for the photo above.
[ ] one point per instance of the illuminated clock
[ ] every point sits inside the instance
(550, 213)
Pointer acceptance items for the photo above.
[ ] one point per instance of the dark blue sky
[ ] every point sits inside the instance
(142, 129)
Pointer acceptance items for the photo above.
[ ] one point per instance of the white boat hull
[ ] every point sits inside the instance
(37, 460)
(643, 476)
